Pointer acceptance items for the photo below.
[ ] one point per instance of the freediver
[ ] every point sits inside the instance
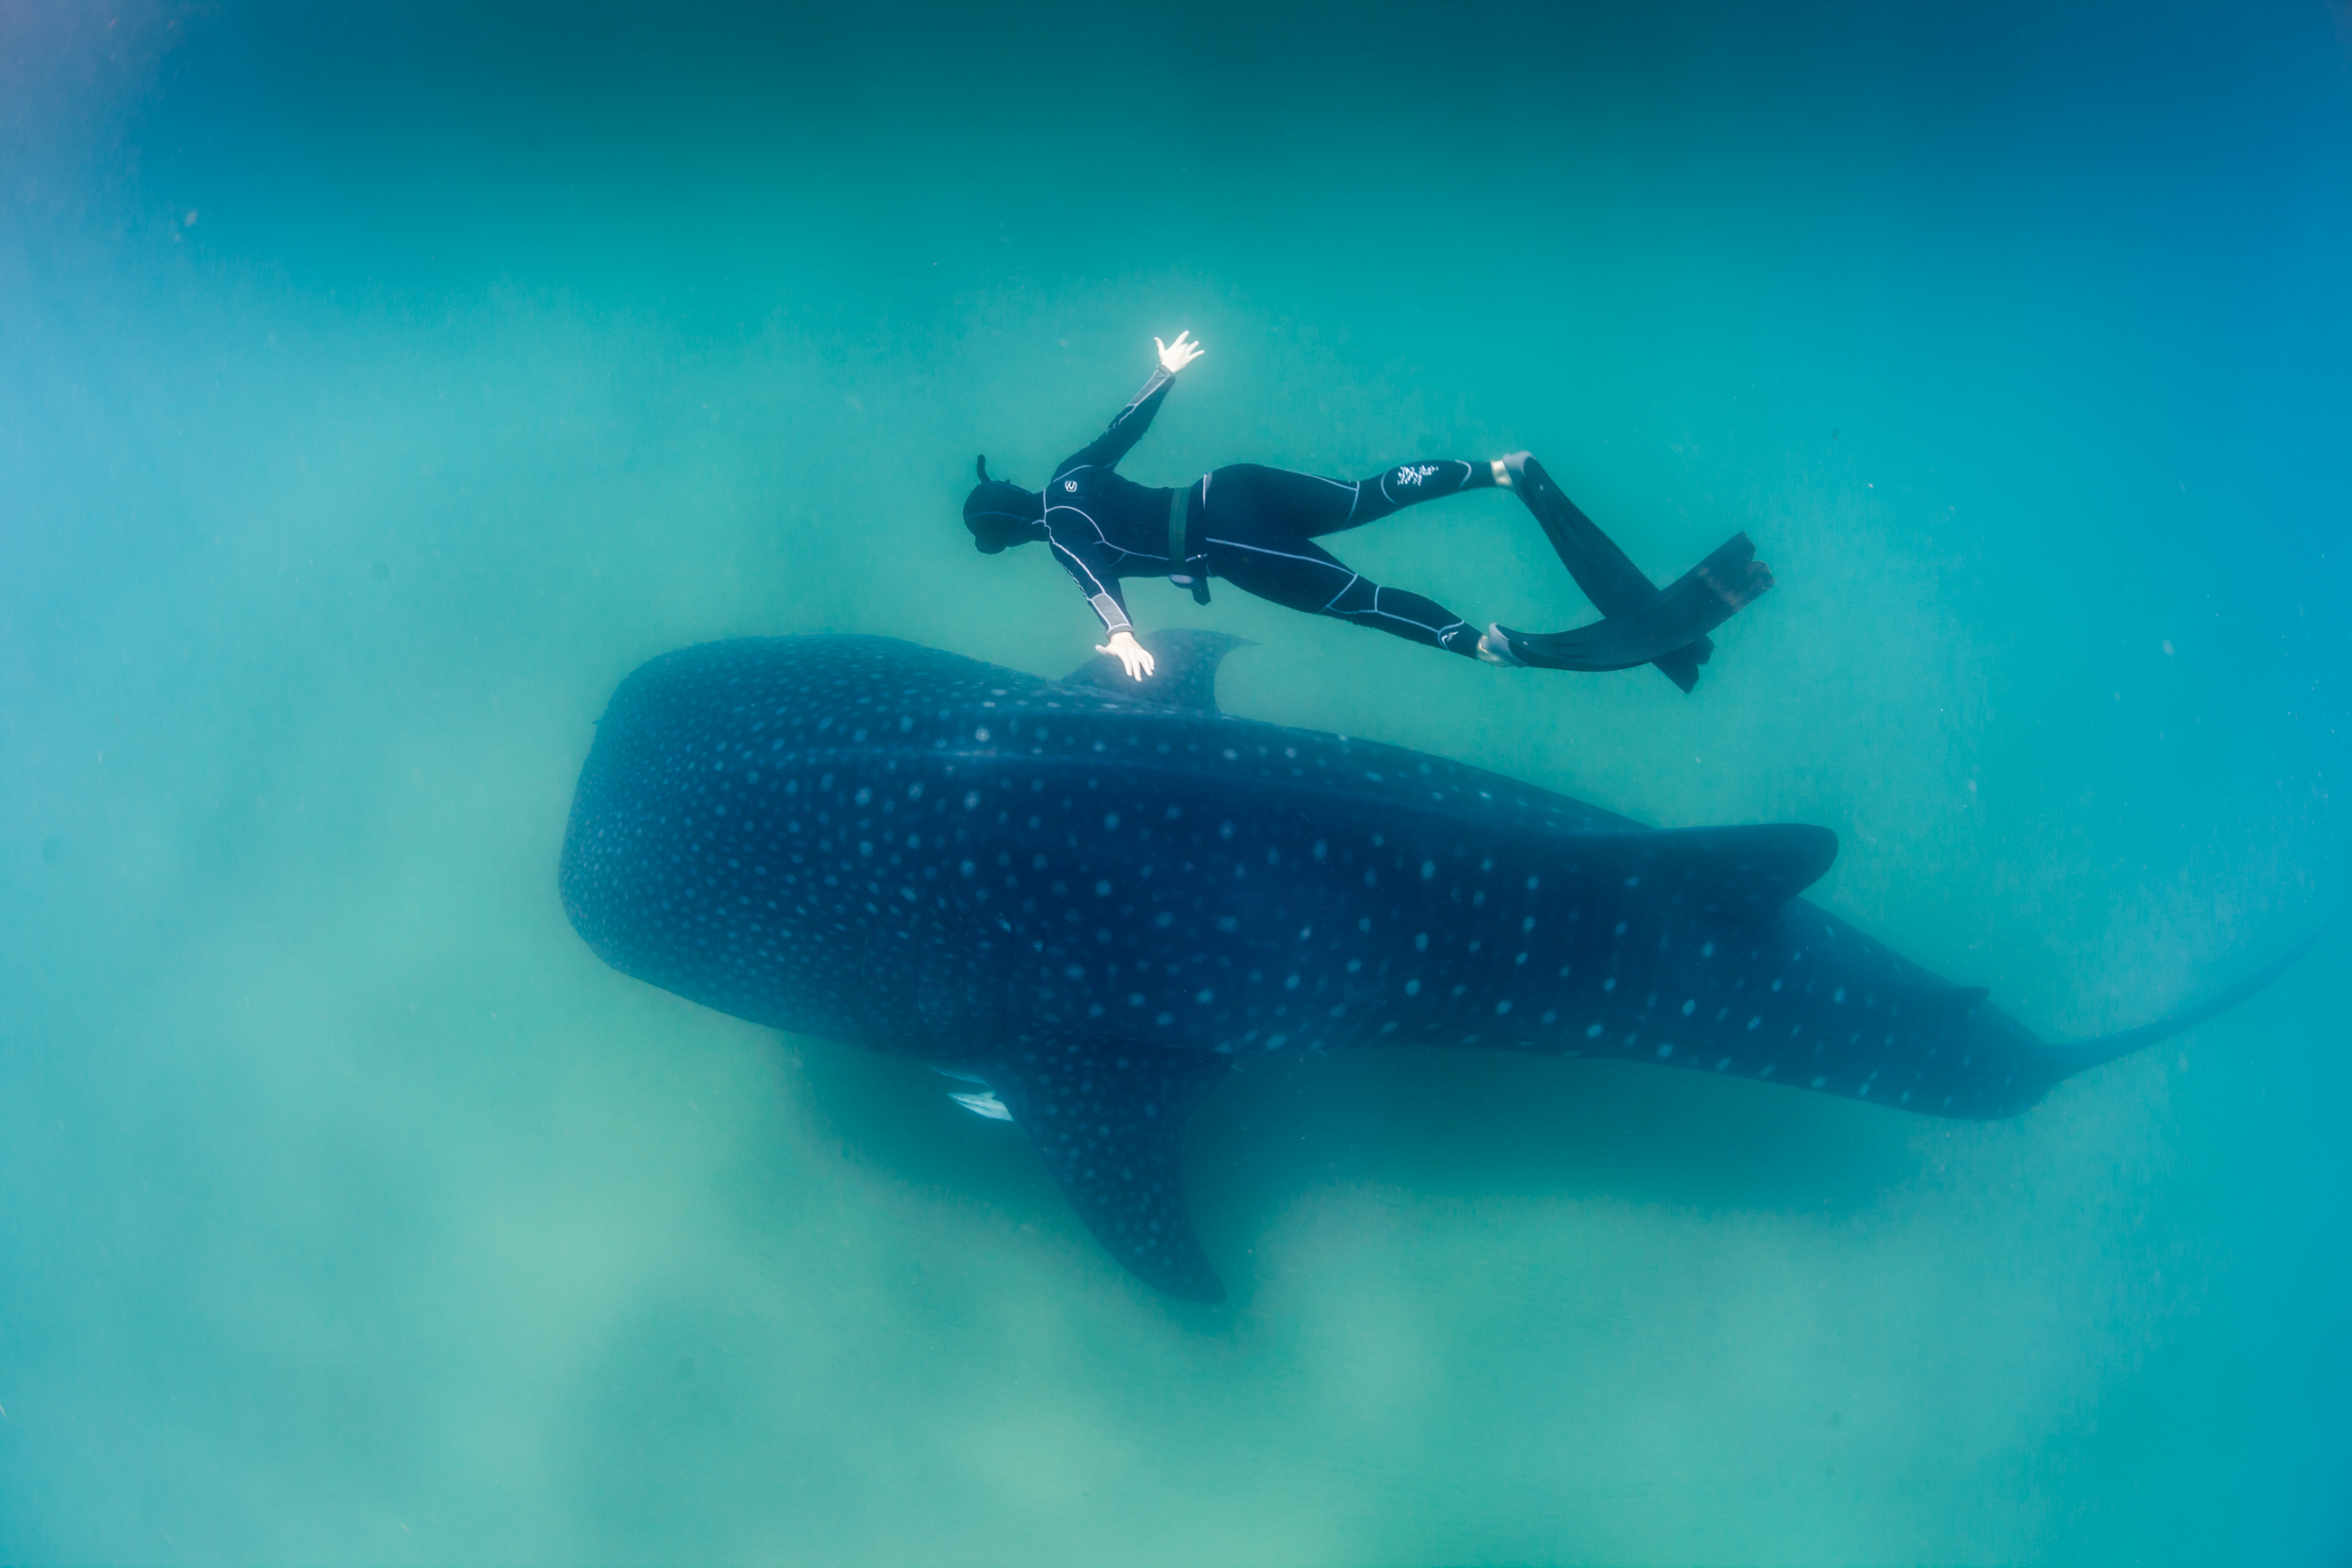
(1255, 528)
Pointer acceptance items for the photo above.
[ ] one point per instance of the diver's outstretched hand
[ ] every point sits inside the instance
(1174, 357)
(1127, 651)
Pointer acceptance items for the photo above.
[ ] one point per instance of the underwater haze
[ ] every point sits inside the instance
(379, 384)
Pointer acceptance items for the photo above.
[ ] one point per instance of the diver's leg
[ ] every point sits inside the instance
(1261, 520)
(1312, 506)
(1273, 562)
(1609, 578)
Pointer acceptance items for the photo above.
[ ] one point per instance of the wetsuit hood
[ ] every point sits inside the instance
(1001, 514)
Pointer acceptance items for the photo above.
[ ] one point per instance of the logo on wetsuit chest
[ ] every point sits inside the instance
(1414, 473)
(1069, 484)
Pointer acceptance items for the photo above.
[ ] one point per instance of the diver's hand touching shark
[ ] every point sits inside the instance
(1129, 652)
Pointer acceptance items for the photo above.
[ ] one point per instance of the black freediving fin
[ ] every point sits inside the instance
(1184, 670)
(1674, 621)
(1716, 871)
(1108, 1122)
(1606, 574)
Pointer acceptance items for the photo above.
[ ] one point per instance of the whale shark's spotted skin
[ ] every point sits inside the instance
(1092, 903)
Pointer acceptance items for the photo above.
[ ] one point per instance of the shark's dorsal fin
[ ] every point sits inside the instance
(1184, 673)
(1108, 1122)
(1715, 871)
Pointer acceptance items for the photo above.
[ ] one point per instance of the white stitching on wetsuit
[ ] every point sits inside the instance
(1392, 616)
(1287, 555)
(1353, 578)
(1081, 565)
(1355, 488)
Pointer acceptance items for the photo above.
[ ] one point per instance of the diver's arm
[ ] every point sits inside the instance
(1127, 427)
(1083, 559)
(1101, 585)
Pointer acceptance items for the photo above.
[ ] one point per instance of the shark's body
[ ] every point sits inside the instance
(1092, 903)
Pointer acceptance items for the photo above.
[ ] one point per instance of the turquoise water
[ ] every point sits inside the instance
(378, 387)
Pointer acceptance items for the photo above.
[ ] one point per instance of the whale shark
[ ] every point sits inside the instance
(1086, 900)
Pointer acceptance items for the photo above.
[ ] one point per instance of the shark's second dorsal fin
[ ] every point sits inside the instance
(1184, 673)
(1108, 1122)
(1716, 871)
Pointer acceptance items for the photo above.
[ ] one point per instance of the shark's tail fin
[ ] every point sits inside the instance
(2080, 1055)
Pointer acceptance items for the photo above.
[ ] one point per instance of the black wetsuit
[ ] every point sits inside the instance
(1254, 527)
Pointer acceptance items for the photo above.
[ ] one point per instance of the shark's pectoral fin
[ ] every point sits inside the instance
(1108, 1122)
(1719, 871)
